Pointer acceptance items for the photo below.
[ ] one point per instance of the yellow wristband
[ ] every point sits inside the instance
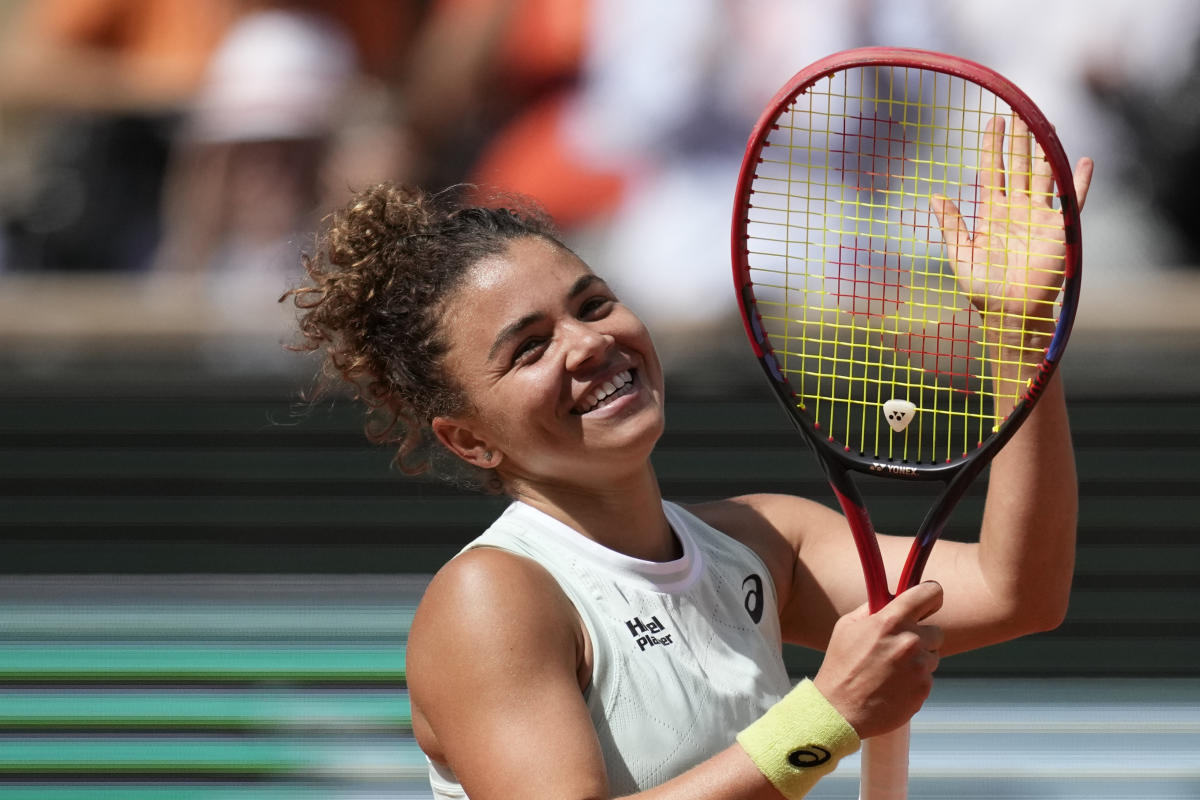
(798, 741)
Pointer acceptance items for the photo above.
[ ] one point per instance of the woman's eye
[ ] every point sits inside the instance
(595, 306)
(527, 350)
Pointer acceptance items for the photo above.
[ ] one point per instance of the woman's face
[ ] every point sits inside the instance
(562, 382)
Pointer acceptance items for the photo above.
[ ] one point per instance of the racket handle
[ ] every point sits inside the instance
(884, 774)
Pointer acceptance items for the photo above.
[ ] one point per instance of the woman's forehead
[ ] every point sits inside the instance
(508, 292)
(526, 264)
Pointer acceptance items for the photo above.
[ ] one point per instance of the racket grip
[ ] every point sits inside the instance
(884, 774)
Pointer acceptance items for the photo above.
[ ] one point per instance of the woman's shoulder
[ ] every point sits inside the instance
(484, 602)
(490, 625)
(489, 587)
(753, 517)
(774, 526)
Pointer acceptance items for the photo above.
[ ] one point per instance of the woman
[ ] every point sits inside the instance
(597, 641)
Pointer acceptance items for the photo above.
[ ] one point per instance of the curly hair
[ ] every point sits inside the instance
(373, 302)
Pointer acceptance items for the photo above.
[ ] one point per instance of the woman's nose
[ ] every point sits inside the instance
(585, 344)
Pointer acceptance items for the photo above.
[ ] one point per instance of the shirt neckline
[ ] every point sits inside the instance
(668, 577)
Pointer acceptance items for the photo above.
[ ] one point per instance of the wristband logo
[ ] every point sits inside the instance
(812, 755)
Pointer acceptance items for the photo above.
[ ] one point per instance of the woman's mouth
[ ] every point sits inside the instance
(617, 386)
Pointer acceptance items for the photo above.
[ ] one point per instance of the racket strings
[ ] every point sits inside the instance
(861, 287)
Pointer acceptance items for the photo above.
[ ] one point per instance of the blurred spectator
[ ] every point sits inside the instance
(1149, 81)
(106, 79)
(237, 100)
(486, 92)
(244, 177)
(284, 120)
(1164, 145)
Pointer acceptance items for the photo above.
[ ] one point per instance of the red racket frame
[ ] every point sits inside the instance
(837, 462)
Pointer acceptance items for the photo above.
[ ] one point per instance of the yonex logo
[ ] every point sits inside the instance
(893, 469)
(899, 413)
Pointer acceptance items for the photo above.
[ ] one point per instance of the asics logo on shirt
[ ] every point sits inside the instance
(754, 597)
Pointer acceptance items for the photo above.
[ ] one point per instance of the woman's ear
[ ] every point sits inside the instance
(459, 439)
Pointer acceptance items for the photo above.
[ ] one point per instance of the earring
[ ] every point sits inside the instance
(488, 457)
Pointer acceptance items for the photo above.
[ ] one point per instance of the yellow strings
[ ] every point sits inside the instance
(851, 271)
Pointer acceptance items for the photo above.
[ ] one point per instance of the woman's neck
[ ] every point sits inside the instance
(626, 516)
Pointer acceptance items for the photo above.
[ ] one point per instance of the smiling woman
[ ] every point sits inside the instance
(598, 640)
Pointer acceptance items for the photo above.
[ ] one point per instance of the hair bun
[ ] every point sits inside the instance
(372, 301)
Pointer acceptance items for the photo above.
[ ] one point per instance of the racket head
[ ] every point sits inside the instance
(844, 276)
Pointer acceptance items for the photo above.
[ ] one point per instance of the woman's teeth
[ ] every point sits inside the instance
(605, 394)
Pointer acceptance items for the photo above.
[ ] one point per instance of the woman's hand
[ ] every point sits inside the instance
(1011, 265)
(878, 668)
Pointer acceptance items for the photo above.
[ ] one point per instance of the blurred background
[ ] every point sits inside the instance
(205, 584)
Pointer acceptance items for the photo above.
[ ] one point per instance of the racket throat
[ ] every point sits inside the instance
(935, 522)
(863, 531)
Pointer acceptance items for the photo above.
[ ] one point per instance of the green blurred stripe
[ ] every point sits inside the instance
(76, 708)
(115, 618)
(417, 788)
(342, 755)
(193, 661)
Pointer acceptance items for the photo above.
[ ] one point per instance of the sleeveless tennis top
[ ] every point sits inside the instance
(686, 653)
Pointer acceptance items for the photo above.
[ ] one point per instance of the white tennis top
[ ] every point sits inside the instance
(686, 653)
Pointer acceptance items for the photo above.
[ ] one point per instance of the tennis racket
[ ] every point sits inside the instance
(906, 255)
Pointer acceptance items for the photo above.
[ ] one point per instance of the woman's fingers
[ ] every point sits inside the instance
(955, 233)
(1018, 157)
(1083, 179)
(991, 162)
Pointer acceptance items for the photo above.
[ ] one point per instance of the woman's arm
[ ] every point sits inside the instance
(1026, 553)
(1014, 581)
